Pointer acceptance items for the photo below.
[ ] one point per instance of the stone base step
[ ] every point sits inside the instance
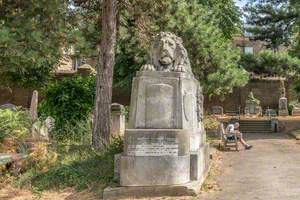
(255, 126)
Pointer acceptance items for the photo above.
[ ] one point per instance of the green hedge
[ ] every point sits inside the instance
(69, 102)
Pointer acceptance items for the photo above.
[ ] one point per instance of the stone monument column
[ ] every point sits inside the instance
(165, 143)
(117, 119)
(34, 105)
(283, 103)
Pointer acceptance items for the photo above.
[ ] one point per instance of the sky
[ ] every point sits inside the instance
(240, 3)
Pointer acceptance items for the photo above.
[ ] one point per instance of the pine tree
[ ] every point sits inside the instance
(31, 37)
(273, 21)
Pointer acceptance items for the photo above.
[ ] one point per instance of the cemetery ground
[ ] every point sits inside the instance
(268, 171)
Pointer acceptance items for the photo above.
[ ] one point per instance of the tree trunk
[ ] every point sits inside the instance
(104, 81)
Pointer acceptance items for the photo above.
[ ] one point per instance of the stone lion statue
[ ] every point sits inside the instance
(167, 54)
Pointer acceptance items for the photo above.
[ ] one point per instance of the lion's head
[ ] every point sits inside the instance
(168, 54)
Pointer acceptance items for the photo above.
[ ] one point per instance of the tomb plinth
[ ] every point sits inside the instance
(164, 129)
(165, 144)
(117, 120)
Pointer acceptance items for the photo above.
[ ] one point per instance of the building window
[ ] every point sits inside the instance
(248, 50)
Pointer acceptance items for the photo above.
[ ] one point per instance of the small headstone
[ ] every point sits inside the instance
(34, 105)
(117, 119)
(43, 129)
(283, 107)
(217, 110)
(9, 106)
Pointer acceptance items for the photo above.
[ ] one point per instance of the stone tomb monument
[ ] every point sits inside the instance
(165, 149)
(283, 103)
(252, 105)
(117, 119)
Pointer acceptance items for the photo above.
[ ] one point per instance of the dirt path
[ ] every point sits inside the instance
(271, 170)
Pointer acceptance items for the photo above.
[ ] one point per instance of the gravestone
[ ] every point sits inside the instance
(165, 147)
(117, 119)
(283, 107)
(217, 110)
(296, 110)
(252, 106)
(43, 128)
(34, 105)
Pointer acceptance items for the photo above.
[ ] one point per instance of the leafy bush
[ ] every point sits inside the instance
(69, 102)
(15, 124)
(80, 132)
(271, 63)
(210, 123)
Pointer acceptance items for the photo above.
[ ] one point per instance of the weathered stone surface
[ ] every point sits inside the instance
(156, 142)
(252, 105)
(149, 170)
(159, 106)
(200, 162)
(34, 105)
(117, 119)
(165, 125)
(164, 100)
(117, 167)
(167, 53)
(43, 128)
(283, 108)
(186, 189)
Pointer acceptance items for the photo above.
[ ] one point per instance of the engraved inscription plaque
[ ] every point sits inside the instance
(154, 147)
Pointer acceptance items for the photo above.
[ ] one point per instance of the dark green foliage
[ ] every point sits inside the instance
(69, 102)
(296, 85)
(204, 27)
(273, 21)
(129, 59)
(78, 166)
(213, 57)
(14, 124)
(271, 63)
(31, 37)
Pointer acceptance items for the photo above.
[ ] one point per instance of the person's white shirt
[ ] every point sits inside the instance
(229, 129)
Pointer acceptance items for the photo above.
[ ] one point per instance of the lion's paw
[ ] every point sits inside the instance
(147, 67)
(179, 68)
